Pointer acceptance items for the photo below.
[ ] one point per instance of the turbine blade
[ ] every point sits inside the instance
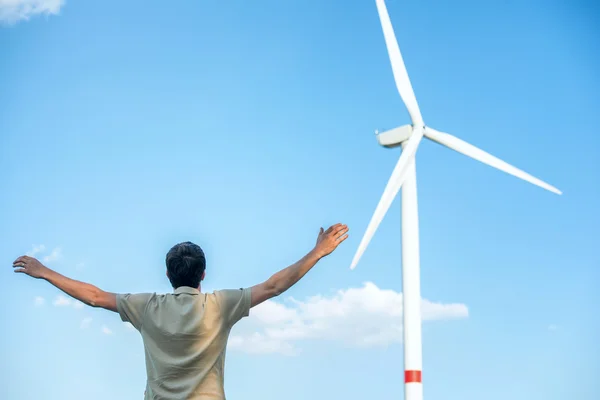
(399, 69)
(391, 190)
(469, 150)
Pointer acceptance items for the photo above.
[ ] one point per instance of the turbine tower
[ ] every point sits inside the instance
(404, 176)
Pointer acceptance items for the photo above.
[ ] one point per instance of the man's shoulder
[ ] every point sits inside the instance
(234, 303)
(133, 299)
(230, 293)
(232, 297)
(135, 296)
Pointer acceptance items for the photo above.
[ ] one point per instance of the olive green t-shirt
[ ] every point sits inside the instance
(185, 335)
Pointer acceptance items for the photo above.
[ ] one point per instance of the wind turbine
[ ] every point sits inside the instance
(404, 176)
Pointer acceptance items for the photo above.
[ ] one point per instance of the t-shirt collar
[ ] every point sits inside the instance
(186, 289)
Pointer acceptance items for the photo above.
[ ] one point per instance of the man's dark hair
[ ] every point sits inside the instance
(186, 264)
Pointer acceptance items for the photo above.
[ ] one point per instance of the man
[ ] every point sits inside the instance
(185, 332)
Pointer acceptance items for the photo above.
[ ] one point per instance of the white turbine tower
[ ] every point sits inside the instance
(404, 175)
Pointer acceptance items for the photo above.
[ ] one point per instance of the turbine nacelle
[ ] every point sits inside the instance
(395, 137)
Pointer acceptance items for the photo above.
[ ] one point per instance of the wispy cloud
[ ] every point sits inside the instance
(39, 301)
(552, 327)
(12, 11)
(106, 331)
(77, 304)
(363, 317)
(85, 323)
(36, 248)
(55, 254)
(63, 301)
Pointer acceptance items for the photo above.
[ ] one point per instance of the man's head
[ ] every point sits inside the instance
(185, 265)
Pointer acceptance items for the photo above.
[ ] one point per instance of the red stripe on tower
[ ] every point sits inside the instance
(412, 376)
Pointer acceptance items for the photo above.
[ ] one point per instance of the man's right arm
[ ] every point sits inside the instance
(327, 242)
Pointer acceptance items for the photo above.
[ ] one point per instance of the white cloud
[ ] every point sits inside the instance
(56, 253)
(106, 331)
(36, 248)
(363, 317)
(77, 304)
(552, 327)
(85, 323)
(12, 11)
(63, 301)
(39, 301)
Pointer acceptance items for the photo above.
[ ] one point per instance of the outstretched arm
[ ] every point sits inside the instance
(84, 292)
(327, 242)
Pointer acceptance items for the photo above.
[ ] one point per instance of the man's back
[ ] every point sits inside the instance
(185, 336)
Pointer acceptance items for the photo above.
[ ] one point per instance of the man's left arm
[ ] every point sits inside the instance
(84, 292)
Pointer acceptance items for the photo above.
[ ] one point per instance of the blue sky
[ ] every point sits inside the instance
(126, 127)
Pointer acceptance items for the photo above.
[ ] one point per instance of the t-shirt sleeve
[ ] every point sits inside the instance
(132, 307)
(234, 304)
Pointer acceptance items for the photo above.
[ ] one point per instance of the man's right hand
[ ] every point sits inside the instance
(330, 239)
(327, 242)
(30, 266)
